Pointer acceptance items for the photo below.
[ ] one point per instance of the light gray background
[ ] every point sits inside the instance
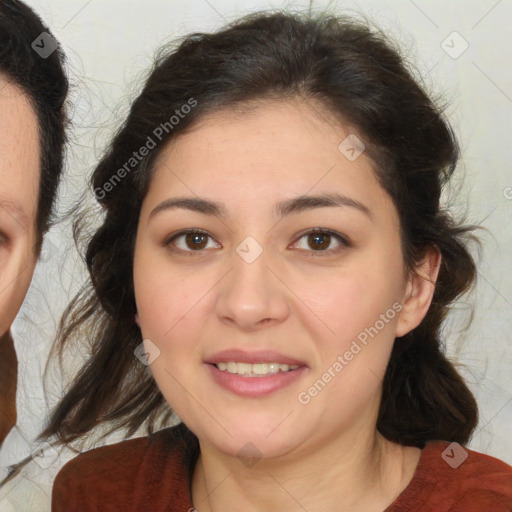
(110, 44)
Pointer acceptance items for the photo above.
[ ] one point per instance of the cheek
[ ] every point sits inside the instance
(172, 304)
(361, 311)
(15, 275)
(167, 302)
(353, 354)
(353, 300)
(172, 315)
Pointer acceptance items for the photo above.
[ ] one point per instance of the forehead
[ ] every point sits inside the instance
(19, 153)
(269, 150)
(287, 127)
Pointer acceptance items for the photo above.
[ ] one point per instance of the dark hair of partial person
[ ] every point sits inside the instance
(345, 68)
(44, 82)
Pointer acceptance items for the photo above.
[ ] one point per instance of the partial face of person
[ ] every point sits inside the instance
(19, 186)
(268, 279)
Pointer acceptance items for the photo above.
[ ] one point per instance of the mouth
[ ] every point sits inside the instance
(254, 369)
(254, 374)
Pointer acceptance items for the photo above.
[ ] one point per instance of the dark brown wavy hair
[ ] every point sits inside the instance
(352, 70)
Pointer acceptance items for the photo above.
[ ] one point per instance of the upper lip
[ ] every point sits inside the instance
(257, 356)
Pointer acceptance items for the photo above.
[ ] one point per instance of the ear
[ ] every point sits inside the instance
(419, 292)
(137, 319)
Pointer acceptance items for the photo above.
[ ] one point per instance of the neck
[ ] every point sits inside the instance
(358, 470)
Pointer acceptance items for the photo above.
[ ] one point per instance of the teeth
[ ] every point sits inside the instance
(255, 370)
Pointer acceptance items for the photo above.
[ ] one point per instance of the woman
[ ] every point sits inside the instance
(275, 251)
(33, 89)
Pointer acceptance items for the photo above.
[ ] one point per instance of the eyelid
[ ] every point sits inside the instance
(170, 239)
(342, 239)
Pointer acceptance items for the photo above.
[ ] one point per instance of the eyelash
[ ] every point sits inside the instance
(344, 243)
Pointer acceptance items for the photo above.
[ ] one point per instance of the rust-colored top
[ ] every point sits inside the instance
(8, 383)
(149, 474)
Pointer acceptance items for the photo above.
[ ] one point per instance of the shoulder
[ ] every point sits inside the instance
(453, 478)
(485, 481)
(123, 476)
(475, 470)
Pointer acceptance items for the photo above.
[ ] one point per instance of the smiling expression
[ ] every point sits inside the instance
(258, 236)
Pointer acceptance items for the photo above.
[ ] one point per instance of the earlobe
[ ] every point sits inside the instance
(137, 320)
(419, 292)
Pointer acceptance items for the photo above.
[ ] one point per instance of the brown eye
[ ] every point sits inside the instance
(196, 241)
(189, 241)
(320, 241)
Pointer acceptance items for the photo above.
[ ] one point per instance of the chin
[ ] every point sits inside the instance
(246, 440)
(251, 449)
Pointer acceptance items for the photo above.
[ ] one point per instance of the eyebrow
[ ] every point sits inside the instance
(16, 211)
(290, 206)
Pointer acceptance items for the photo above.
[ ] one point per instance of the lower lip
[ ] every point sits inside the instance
(254, 386)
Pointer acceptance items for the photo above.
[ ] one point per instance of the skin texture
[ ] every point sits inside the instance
(19, 186)
(294, 299)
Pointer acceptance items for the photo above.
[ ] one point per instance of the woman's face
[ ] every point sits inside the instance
(19, 187)
(256, 284)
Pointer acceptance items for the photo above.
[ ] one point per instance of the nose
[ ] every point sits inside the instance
(252, 296)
